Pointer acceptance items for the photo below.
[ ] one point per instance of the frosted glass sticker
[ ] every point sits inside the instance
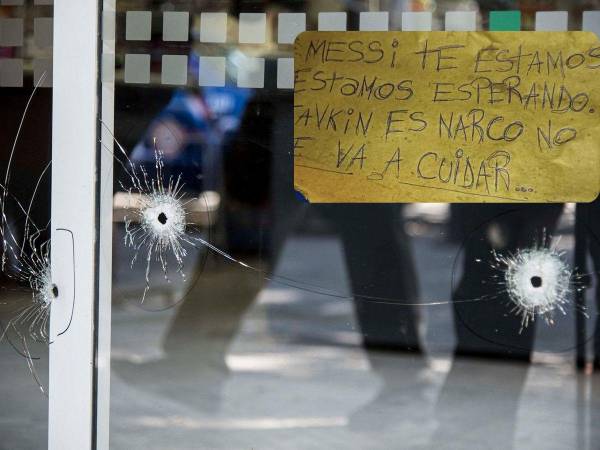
(251, 73)
(42, 31)
(176, 26)
(551, 21)
(289, 26)
(138, 25)
(285, 73)
(137, 68)
(332, 21)
(252, 28)
(461, 21)
(11, 72)
(374, 21)
(212, 71)
(213, 27)
(416, 21)
(11, 32)
(174, 69)
(42, 68)
(591, 22)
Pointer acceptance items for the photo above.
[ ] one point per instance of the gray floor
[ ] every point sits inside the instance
(249, 364)
(290, 373)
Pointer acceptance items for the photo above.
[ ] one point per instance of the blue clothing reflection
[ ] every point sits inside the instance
(191, 131)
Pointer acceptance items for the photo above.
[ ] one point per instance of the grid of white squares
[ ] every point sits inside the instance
(12, 35)
(22, 2)
(11, 32)
(252, 29)
(250, 72)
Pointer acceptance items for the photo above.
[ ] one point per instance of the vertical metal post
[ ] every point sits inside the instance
(107, 110)
(73, 375)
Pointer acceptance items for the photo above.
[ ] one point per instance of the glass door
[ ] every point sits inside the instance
(198, 301)
(49, 78)
(25, 177)
(244, 317)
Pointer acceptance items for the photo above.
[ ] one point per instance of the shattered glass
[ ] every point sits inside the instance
(236, 303)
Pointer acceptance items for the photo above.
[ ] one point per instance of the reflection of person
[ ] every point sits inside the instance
(377, 250)
(181, 132)
(380, 264)
(190, 131)
(592, 228)
(489, 327)
(489, 396)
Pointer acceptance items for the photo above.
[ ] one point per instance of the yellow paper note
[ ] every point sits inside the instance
(447, 116)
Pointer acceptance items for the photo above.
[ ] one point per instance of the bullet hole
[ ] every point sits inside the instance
(536, 281)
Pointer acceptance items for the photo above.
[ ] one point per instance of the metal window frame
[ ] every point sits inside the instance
(79, 362)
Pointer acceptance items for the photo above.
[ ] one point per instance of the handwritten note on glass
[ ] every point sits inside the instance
(447, 116)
